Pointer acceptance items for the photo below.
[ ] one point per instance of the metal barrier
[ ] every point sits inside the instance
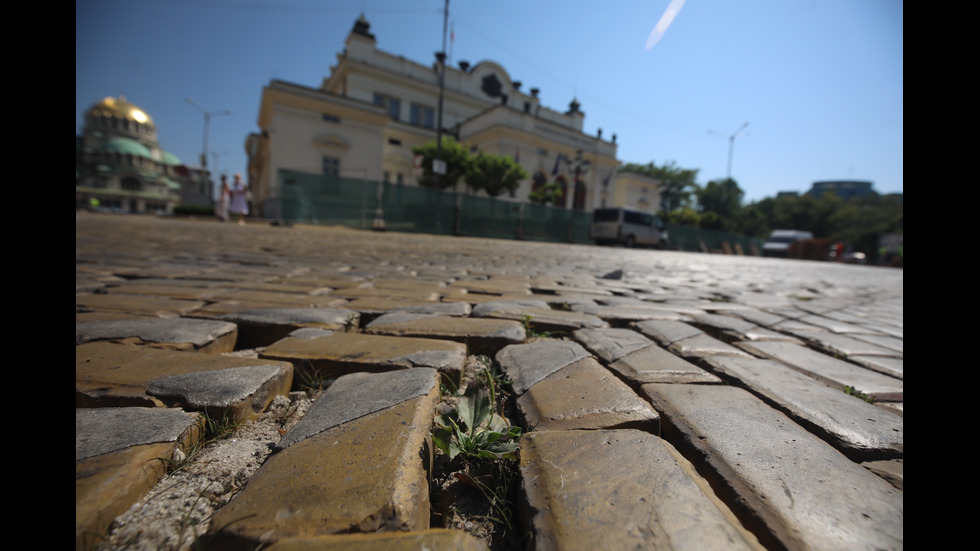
(326, 200)
(317, 199)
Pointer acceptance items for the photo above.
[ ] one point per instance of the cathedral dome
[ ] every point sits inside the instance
(121, 109)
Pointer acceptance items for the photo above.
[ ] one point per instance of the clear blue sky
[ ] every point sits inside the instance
(820, 82)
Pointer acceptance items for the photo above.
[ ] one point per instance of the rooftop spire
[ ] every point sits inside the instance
(362, 27)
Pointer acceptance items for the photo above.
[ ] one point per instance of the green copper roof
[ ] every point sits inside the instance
(170, 159)
(126, 146)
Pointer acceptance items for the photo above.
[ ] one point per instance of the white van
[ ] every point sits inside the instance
(780, 242)
(629, 227)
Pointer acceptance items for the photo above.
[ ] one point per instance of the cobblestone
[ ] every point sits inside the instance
(692, 401)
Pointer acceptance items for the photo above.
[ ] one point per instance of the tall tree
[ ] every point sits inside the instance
(723, 197)
(685, 216)
(458, 162)
(677, 185)
(858, 222)
(494, 174)
(543, 191)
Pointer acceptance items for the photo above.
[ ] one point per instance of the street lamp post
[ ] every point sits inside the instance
(204, 153)
(577, 166)
(731, 144)
(207, 124)
(439, 167)
(215, 155)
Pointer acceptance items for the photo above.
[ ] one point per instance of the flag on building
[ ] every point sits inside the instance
(554, 171)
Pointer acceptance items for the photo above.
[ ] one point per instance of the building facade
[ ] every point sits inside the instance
(844, 189)
(374, 107)
(119, 163)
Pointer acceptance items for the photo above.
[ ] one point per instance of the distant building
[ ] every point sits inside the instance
(374, 107)
(787, 194)
(196, 187)
(844, 189)
(634, 191)
(120, 164)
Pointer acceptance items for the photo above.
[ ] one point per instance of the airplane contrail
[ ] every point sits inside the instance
(668, 17)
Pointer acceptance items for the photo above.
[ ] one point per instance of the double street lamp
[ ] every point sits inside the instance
(204, 153)
(731, 144)
(438, 164)
(207, 123)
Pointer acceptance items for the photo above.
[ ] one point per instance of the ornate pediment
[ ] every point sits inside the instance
(331, 141)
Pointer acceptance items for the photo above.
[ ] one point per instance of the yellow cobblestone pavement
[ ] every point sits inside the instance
(669, 400)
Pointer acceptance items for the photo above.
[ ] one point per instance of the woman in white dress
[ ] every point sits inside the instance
(239, 199)
(222, 207)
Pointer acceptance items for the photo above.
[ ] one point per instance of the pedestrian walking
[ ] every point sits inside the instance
(239, 199)
(224, 198)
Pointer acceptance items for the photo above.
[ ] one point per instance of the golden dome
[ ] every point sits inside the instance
(120, 108)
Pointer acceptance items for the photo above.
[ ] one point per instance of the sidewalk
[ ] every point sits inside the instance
(668, 400)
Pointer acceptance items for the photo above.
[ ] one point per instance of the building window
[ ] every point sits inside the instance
(422, 116)
(131, 184)
(331, 118)
(331, 167)
(392, 106)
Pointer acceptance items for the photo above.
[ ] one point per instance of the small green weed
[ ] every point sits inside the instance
(527, 321)
(481, 448)
(448, 387)
(214, 429)
(312, 379)
(492, 378)
(350, 324)
(287, 414)
(181, 459)
(851, 391)
(473, 430)
(497, 487)
(218, 428)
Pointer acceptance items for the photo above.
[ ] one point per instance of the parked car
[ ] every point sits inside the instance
(839, 252)
(781, 242)
(632, 228)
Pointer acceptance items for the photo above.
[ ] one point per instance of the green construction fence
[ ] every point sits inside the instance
(317, 199)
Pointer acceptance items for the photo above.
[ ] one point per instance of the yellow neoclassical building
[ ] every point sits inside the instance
(374, 107)
(119, 163)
